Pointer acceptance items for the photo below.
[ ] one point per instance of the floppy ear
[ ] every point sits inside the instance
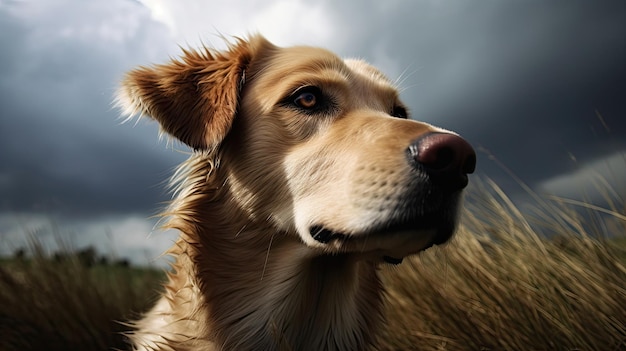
(193, 98)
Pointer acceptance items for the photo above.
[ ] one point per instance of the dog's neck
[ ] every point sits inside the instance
(280, 296)
(259, 289)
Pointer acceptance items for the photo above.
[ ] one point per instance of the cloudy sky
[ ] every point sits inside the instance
(538, 84)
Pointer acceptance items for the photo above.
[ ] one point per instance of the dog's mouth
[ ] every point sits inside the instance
(393, 241)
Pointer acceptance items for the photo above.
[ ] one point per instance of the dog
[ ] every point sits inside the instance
(306, 175)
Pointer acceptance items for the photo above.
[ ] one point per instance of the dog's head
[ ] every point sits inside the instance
(320, 147)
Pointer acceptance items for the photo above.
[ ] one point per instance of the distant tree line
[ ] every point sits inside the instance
(87, 257)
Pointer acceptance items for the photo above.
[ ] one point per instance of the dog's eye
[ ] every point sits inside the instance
(310, 100)
(399, 112)
(307, 98)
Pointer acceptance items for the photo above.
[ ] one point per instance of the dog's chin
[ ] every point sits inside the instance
(390, 243)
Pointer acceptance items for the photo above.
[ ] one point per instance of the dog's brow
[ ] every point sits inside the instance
(308, 60)
(327, 79)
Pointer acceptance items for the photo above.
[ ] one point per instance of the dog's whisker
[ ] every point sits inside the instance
(403, 77)
(241, 230)
(317, 232)
(267, 255)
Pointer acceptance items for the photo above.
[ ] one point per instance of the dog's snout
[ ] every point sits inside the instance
(446, 158)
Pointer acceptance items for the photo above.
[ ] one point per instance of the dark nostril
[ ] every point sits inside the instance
(436, 158)
(445, 157)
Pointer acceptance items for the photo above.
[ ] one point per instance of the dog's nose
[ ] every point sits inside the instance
(446, 158)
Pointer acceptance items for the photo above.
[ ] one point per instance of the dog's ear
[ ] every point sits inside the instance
(195, 97)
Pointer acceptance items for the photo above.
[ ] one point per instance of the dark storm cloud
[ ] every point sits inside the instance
(524, 79)
(521, 78)
(62, 147)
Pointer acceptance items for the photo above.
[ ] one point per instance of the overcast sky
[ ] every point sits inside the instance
(525, 80)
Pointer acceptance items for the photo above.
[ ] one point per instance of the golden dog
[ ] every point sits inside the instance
(306, 174)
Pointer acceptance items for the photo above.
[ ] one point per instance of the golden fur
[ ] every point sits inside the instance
(284, 206)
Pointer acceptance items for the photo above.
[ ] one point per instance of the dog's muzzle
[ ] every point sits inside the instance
(446, 160)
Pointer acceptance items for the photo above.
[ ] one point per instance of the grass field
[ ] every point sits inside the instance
(48, 303)
(555, 280)
(503, 285)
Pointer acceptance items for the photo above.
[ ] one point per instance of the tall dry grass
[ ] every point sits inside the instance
(554, 280)
(503, 284)
(70, 302)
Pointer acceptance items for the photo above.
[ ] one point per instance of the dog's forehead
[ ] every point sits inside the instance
(286, 69)
(368, 71)
(369, 78)
(314, 59)
(300, 61)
